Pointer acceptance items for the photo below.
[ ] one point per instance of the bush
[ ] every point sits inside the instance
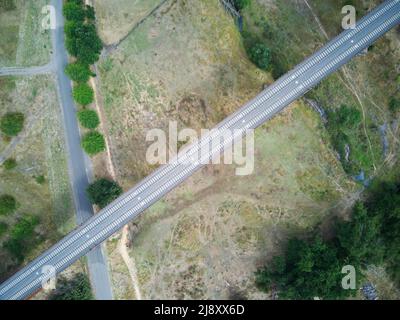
(78, 72)
(8, 204)
(90, 13)
(93, 143)
(394, 105)
(307, 270)
(83, 94)
(358, 238)
(73, 11)
(22, 237)
(10, 164)
(77, 288)
(3, 228)
(103, 191)
(40, 179)
(88, 119)
(12, 123)
(7, 5)
(347, 117)
(260, 55)
(241, 4)
(83, 42)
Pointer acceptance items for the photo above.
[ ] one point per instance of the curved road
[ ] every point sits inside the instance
(263, 107)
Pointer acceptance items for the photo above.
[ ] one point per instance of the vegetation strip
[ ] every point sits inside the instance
(84, 45)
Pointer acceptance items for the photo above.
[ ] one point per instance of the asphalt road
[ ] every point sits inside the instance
(263, 107)
(79, 165)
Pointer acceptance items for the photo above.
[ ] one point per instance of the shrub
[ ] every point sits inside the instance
(77, 288)
(83, 42)
(260, 55)
(103, 191)
(90, 13)
(241, 4)
(22, 237)
(83, 94)
(93, 143)
(347, 117)
(12, 123)
(3, 228)
(73, 11)
(88, 119)
(306, 270)
(40, 179)
(10, 164)
(394, 105)
(7, 5)
(78, 72)
(8, 204)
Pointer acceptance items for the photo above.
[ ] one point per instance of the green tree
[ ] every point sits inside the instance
(83, 94)
(3, 228)
(241, 4)
(103, 191)
(8, 204)
(359, 237)
(260, 55)
(394, 104)
(347, 117)
(40, 179)
(12, 123)
(74, 12)
(77, 288)
(90, 13)
(78, 72)
(83, 42)
(307, 270)
(10, 164)
(88, 119)
(93, 143)
(384, 204)
(7, 5)
(22, 237)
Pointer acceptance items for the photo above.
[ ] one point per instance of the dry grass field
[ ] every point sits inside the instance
(39, 151)
(187, 63)
(116, 18)
(23, 40)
